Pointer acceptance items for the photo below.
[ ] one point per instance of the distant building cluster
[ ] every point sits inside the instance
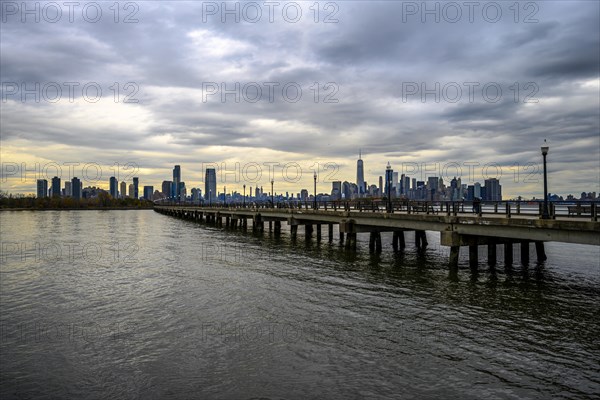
(395, 185)
(391, 184)
(74, 189)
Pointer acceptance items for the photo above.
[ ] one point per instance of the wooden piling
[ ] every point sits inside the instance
(525, 252)
(540, 251)
(454, 253)
(508, 253)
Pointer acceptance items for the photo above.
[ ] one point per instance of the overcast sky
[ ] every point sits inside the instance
(361, 66)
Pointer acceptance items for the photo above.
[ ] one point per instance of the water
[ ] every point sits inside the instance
(135, 304)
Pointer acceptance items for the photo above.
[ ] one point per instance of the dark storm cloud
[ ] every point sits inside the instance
(369, 54)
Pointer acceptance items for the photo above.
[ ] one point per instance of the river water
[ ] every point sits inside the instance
(135, 304)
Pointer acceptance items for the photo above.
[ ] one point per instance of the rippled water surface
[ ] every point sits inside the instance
(135, 304)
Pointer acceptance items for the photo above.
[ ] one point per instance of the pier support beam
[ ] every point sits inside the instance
(525, 252)
(341, 237)
(351, 241)
(308, 230)
(540, 251)
(454, 253)
(318, 232)
(473, 256)
(294, 231)
(398, 240)
(508, 253)
(278, 227)
(420, 239)
(330, 233)
(491, 254)
(375, 242)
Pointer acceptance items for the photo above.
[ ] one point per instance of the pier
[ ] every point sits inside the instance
(496, 224)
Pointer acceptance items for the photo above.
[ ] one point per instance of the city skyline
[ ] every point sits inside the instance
(402, 186)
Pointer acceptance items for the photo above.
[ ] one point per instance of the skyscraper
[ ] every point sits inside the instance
(176, 182)
(113, 185)
(166, 188)
(76, 188)
(136, 193)
(336, 190)
(210, 184)
(493, 190)
(123, 190)
(42, 188)
(131, 190)
(56, 186)
(389, 181)
(68, 189)
(433, 187)
(360, 175)
(148, 190)
(182, 191)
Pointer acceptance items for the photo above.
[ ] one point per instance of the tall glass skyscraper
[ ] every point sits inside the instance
(389, 181)
(76, 188)
(148, 191)
(175, 192)
(136, 191)
(113, 185)
(210, 184)
(42, 188)
(56, 186)
(360, 176)
(493, 190)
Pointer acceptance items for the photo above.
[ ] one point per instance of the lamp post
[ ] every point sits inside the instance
(545, 148)
(388, 180)
(244, 196)
(272, 203)
(315, 191)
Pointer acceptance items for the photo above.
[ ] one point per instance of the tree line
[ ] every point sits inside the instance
(102, 200)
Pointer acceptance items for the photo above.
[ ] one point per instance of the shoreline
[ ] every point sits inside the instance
(74, 209)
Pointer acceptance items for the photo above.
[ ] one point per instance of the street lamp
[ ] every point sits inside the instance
(545, 214)
(244, 196)
(388, 180)
(315, 191)
(272, 203)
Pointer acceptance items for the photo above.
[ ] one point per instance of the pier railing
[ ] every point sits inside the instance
(507, 209)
